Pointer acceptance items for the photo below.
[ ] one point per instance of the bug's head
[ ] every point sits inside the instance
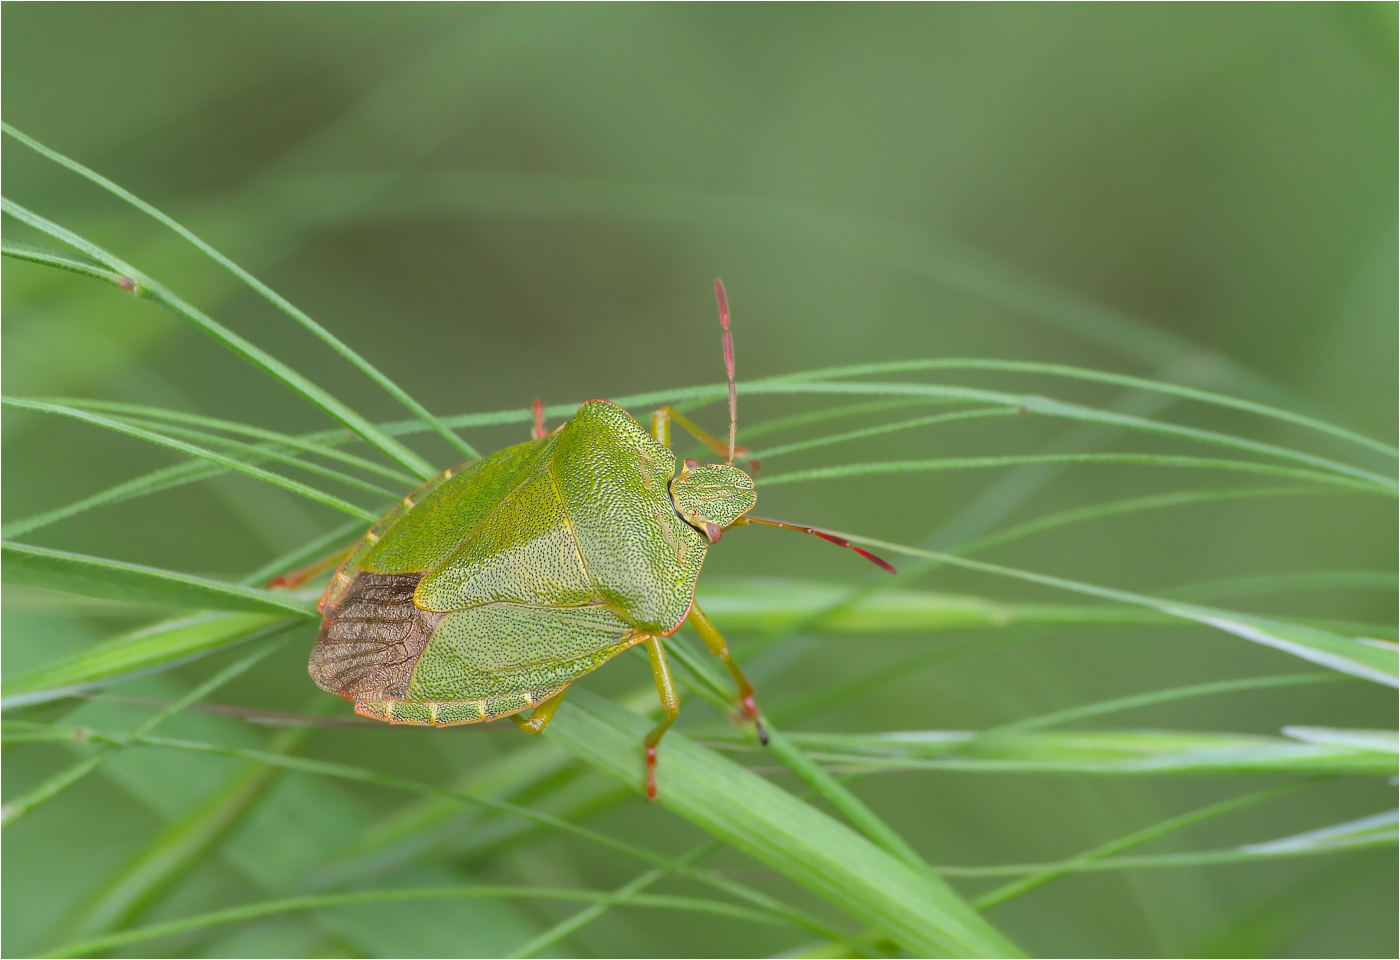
(711, 496)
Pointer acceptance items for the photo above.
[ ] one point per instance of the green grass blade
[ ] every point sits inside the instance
(1096, 511)
(267, 292)
(165, 478)
(64, 260)
(332, 900)
(147, 288)
(1377, 828)
(1041, 877)
(177, 849)
(1370, 661)
(924, 916)
(21, 806)
(307, 443)
(1101, 376)
(570, 926)
(250, 451)
(1170, 695)
(113, 579)
(845, 471)
(141, 651)
(769, 452)
(1109, 752)
(311, 493)
(363, 775)
(1287, 583)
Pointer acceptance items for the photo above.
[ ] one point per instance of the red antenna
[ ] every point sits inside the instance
(723, 302)
(829, 537)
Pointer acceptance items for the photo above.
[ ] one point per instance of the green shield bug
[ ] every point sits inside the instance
(496, 584)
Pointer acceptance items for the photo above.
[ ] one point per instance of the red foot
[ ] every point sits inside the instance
(537, 408)
(651, 773)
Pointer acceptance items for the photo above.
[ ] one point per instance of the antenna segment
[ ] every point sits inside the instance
(723, 302)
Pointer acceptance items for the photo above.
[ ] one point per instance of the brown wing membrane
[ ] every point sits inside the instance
(372, 637)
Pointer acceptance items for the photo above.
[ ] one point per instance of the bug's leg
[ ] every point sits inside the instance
(715, 641)
(541, 715)
(295, 578)
(670, 706)
(662, 419)
(537, 432)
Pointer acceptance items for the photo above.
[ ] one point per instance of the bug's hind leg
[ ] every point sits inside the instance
(541, 715)
(670, 705)
(715, 641)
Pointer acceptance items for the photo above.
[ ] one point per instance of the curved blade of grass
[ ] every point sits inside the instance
(1096, 511)
(147, 288)
(114, 579)
(362, 775)
(56, 784)
(260, 451)
(1376, 830)
(1024, 885)
(566, 928)
(1377, 663)
(922, 914)
(1101, 376)
(165, 478)
(335, 343)
(1287, 583)
(177, 848)
(307, 443)
(702, 678)
(1379, 741)
(1045, 406)
(845, 471)
(311, 493)
(137, 652)
(1119, 704)
(1113, 752)
(769, 452)
(64, 260)
(331, 900)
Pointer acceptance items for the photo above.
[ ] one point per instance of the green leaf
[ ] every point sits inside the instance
(921, 913)
(99, 577)
(149, 648)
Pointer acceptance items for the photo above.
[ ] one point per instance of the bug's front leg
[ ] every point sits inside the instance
(715, 641)
(670, 706)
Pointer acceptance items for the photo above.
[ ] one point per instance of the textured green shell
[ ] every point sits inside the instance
(527, 569)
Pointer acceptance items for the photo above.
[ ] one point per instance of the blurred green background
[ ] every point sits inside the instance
(496, 203)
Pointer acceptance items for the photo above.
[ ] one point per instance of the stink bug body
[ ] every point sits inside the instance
(496, 584)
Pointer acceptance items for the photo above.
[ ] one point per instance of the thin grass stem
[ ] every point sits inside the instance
(334, 342)
(1100, 376)
(276, 479)
(149, 289)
